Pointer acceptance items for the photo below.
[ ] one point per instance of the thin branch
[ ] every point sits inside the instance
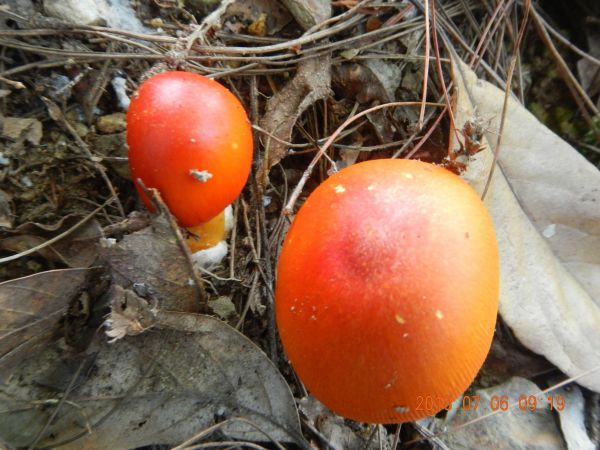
(425, 68)
(154, 194)
(57, 238)
(287, 210)
(507, 94)
(440, 73)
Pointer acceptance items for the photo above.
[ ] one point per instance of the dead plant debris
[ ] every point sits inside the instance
(101, 340)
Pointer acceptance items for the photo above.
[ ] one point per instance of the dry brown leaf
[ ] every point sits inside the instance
(31, 308)
(545, 202)
(184, 374)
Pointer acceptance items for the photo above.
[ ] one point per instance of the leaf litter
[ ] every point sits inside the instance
(170, 373)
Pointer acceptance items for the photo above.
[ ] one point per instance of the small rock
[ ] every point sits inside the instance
(78, 12)
(121, 15)
(111, 123)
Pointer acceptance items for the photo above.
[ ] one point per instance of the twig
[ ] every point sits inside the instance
(269, 281)
(213, 20)
(251, 294)
(507, 94)
(287, 210)
(432, 128)
(481, 48)
(425, 68)
(396, 436)
(232, 240)
(430, 436)
(154, 194)
(207, 431)
(566, 42)
(15, 84)
(340, 17)
(57, 238)
(450, 31)
(63, 400)
(440, 73)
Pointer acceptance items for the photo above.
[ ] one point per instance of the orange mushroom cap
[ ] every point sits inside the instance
(190, 138)
(387, 290)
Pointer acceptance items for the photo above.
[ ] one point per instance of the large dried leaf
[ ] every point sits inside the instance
(545, 202)
(160, 387)
(31, 307)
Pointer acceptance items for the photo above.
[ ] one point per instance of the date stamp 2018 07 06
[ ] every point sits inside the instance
(495, 403)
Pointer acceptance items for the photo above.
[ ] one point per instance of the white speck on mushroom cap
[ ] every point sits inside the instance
(400, 319)
(201, 175)
(439, 314)
(339, 189)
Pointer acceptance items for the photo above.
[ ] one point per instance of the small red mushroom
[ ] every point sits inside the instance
(189, 137)
(387, 290)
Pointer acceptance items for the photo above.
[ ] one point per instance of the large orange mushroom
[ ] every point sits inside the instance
(387, 290)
